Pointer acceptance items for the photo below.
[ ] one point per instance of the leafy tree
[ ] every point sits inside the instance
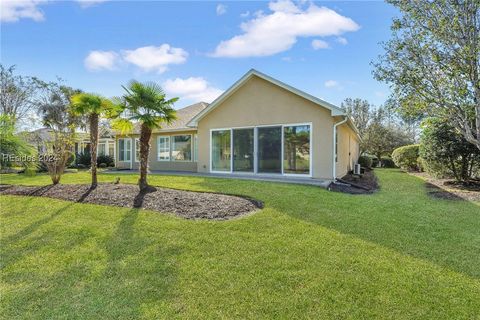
(93, 106)
(54, 105)
(445, 151)
(147, 104)
(381, 138)
(17, 94)
(433, 62)
(359, 111)
(13, 146)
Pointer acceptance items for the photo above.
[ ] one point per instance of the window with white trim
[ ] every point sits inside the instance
(163, 148)
(124, 149)
(182, 148)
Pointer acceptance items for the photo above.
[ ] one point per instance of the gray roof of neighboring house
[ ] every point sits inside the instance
(184, 116)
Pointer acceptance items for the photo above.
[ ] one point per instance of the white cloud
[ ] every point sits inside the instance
(342, 40)
(98, 60)
(331, 84)
(14, 10)
(245, 14)
(221, 9)
(89, 3)
(319, 44)
(268, 34)
(153, 58)
(193, 88)
(148, 58)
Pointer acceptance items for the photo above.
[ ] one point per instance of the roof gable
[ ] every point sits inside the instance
(335, 111)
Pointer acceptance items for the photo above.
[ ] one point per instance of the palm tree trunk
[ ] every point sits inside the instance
(145, 134)
(93, 119)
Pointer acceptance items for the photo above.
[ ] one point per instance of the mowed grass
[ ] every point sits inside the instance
(397, 254)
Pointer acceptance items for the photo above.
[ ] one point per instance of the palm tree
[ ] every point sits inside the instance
(93, 106)
(147, 104)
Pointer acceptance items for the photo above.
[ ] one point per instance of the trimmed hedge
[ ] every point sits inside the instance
(365, 161)
(387, 162)
(406, 157)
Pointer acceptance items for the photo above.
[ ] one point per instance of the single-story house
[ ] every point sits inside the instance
(259, 126)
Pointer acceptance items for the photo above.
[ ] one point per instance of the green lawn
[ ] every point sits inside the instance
(310, 253)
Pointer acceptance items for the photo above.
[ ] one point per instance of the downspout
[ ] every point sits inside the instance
(335, 125)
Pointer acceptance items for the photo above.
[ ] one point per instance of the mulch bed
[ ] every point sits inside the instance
(365, 184)
(450, 190)
(186, 204)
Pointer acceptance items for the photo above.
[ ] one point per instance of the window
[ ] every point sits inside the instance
(243, 150)
(111, 149)
(296, 149)
(163, 148)
(182, 148)
(101, 149)
(124, 149)
(221, 154)
(137, 150)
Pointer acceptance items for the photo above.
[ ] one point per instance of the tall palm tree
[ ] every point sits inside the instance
(93, 106)
(147, 104)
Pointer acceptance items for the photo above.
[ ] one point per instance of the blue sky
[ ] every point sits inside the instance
(195, 50)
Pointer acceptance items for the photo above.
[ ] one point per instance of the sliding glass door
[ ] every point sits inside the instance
(243, 150)
(296, 149)
(221, 154)
(283, 149)
(269, 150)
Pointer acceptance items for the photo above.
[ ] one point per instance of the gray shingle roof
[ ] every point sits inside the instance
(184, 116)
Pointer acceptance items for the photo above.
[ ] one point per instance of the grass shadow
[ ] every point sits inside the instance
(435, 191)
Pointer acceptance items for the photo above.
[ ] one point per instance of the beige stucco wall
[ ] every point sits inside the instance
(259, 102)
(348, 150)
(154, 164)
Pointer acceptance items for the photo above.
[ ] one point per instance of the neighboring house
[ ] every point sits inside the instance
(258, 126)
(40, 138)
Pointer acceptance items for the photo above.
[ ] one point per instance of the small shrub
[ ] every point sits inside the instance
(406, 157)
(374, 162)
(84, 159)
(102, 165)
(108, 160)
(30, 172)
(387, 162)
(365, 161)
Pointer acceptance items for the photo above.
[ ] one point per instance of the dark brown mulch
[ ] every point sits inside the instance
(365, 184)
(450, 190)
(186, 204)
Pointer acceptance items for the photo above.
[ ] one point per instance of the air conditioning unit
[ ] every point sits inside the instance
(357, 169)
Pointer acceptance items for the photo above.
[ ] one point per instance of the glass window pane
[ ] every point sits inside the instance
(296, 149)
(163, 148)
(243, 150)
(182, 148)
(121, 149)
(101, 149)
(111, 149)
(270, 150)
(128, 150)
(221, 154)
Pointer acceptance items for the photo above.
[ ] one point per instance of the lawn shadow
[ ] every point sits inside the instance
(10, 252)
(437, 192)
(129, 274)
(400, 216)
